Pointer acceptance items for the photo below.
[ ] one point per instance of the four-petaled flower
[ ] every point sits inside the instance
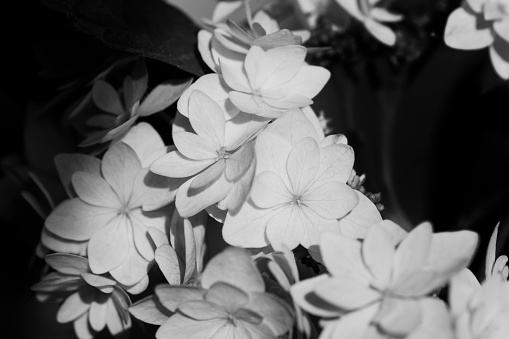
(90, 301)
(380, 287)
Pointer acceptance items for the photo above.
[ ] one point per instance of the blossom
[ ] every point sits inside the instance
(479, 24)
(479, 310)
(373, 18)
(271, 82)
(90, 301)
(299, 190)
(230, 303)
(213, 158)
(380, 286)
(114, 205)
(121, 108)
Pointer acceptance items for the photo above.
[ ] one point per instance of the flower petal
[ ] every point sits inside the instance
(268, 190)
(381, 32)
(120, 165)
(74, 306)
(302, 165)
(67, 263)
(208, 176)
(182, 327)
(287, 225)
(133, 269)
(175, 165)
(194, 146)
(106, 97)
(67, 164)
(150, 310)
(378, 254)
(277, 315)
(75, 220)
(304, 296)
(465, 30)
(249, 103)
(146, 142)
(173, 296)
(94, 190)
(109, 246)
(207, 118)
(226, 295)
(238, 163)
(361, 218)
(499, 54)
(435, 321)
(162, 96)
(399, 317)
(235, 76)
(331, 200)
(346, 294)
(245, 276)
(462, 288)
(354, 325)
(309, 81)
(97, 313)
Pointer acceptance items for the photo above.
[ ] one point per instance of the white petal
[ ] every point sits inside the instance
(152, 191)
(150, 310)
(82, 327)
(411, 256)
(182, 327)
(304, 296)
(194, 146)
(315, 226)
(104, 284)
(74, 306)
(204, 39)
(378, 254)
(268, 190)
(243, 127)
(189, 202)
(491, 252)
(435, 321)
(172, 296)
(287, 226)
(245, 276)
(463, 32)
(246, 228)
(109, 246)
(120, 165)
(146, 142)
(346, 294)
(106, 97)
(94, 190)
(381, 32)
(499, 54)
(309, 81)
(336, 163)
(383, 15)
(58, 244)
(238, 163)
(175, 165)
(75, 220)
(254, 104)
(98, 313)
(215, 87)
(302, 165)
(275, 312)
(67, 164)
(462, 288)
(227, 296)
(141, 238)
(330, 200)
(343, 257)
(116, 324)
(207, 177)
(133, 269)
(162, 96)
(361, 218)
(207, 118)
(67, 263)
(399, 317)
(356, 325)
(235, 77)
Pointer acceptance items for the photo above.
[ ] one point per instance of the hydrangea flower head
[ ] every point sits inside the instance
(479, 24)
(112, 211)
(90, 301)
(231, 303)
(381, 287)
(373, 18)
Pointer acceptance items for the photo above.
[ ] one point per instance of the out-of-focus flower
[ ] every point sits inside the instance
(90, 301)
(215, 155)
(380, 287)
(123, 107)
(299, 189)
(495, 266)
(272, 82)
(479, 24)
(113, 208)
(373, 17)
(231, 303)
(480, 311)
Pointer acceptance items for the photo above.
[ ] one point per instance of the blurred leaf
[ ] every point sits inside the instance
(150, 28)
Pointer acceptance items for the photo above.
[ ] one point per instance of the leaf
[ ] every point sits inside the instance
(151, 28)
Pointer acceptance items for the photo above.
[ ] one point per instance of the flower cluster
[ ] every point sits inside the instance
(249, 153)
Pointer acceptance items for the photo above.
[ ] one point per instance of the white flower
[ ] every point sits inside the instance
(213, 158)
(272, 82)
(299, 190)
(112, 211)
(231, 303)
(499, 265)
(373, 18)
(381, 286)
(479, 24)
(90, 301)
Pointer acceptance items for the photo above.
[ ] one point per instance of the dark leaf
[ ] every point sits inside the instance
(150, 28)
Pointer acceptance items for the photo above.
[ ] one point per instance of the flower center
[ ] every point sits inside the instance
(222, 154)
(296, 200)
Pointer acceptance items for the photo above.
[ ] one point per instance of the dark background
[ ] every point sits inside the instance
(433, 139)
